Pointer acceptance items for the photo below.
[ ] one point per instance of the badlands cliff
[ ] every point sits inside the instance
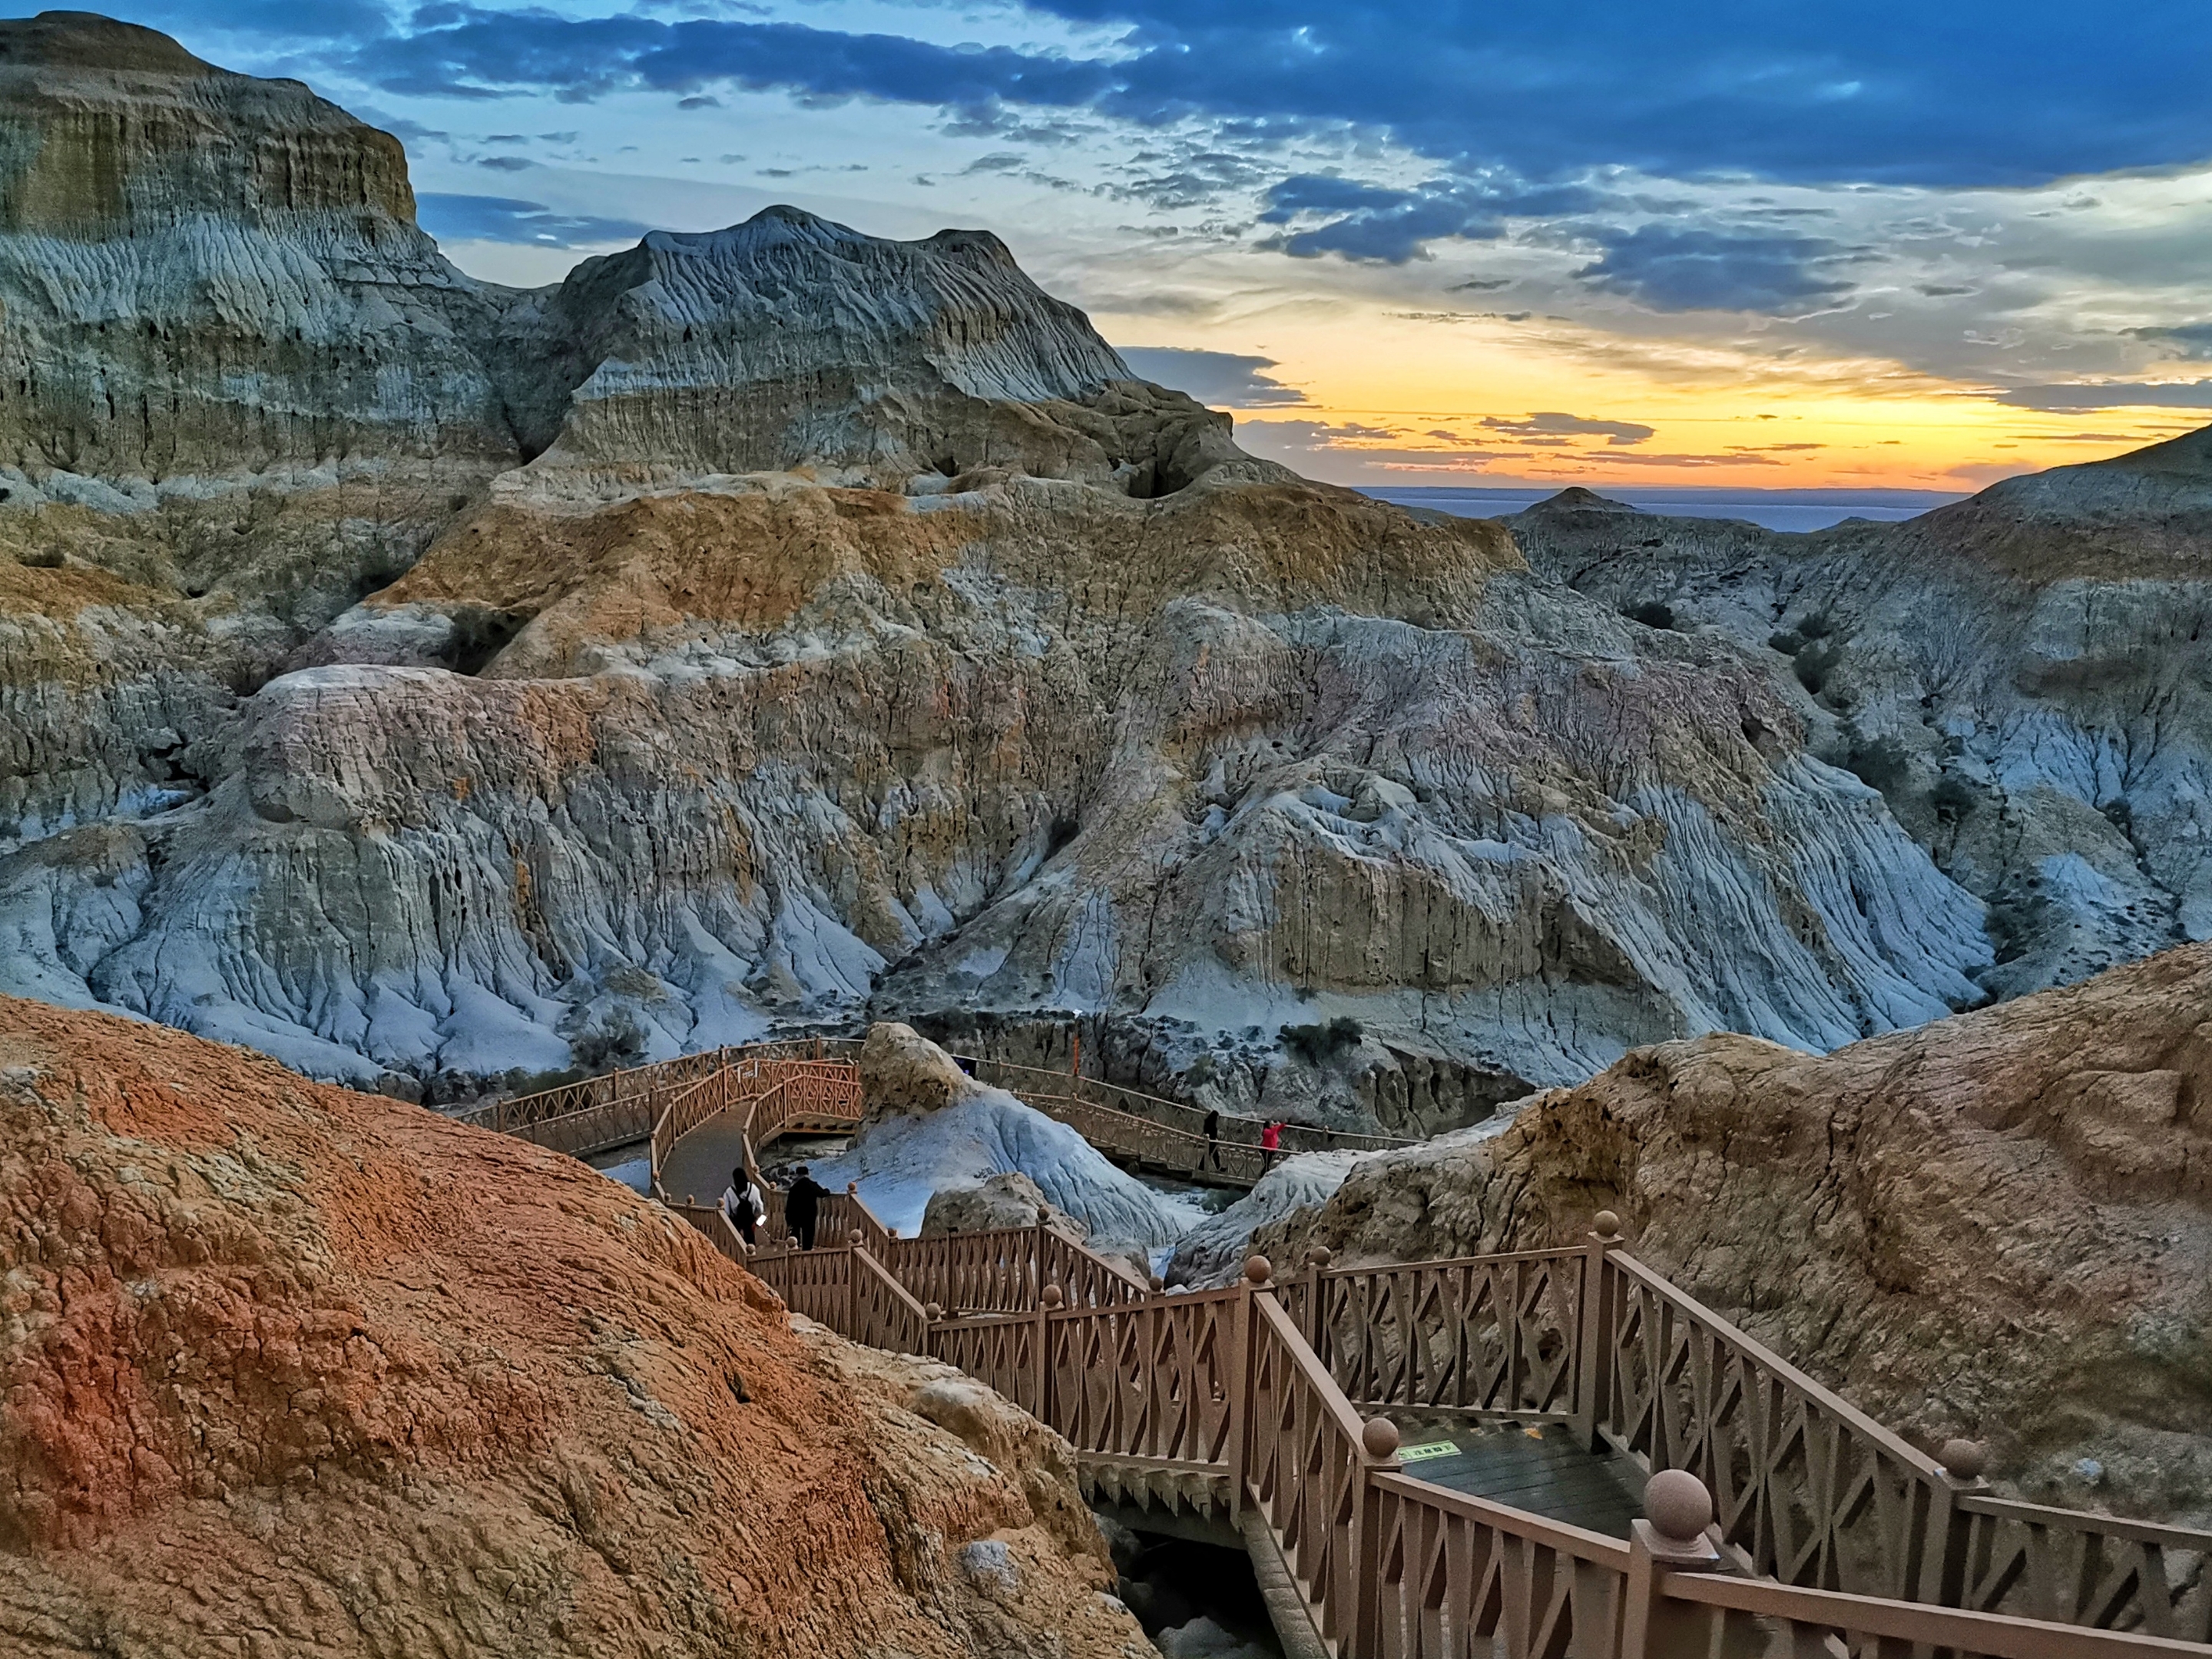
(1999, 1225)
(2026, 676)
(302, 1371)
(784, 625)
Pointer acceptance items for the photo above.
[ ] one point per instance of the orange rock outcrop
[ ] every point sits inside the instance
(288, 1370)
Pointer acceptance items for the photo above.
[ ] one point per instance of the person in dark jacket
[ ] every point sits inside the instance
(1213, 1138)
(800, 1205)
(741, 1203)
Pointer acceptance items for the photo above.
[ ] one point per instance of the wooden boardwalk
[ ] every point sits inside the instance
(1540, 1468)
(1445, 1457)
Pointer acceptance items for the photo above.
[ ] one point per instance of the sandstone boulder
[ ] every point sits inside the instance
(1007, 1199)
(291, 1367)
(904, 1074)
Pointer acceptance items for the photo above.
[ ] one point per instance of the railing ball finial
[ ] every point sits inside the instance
(855, 1239)
(1963, 1459)
(933, 1312)
(851, 1189)
(1379, 1434)
(1678, 1504)
(1052, 1295)
(1158, 1284)
(1319, 1256)
(1606, 1225)
(1259, 1269)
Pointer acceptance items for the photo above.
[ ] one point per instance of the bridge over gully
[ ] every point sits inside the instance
(1426, 1458)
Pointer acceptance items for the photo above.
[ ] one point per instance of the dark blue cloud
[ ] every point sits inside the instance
(506, 219)
(1672, 267)
(1226, 380)
(1964, 93)
(1371, 223)
(469, 51)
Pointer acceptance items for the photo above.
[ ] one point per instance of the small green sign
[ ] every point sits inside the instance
(1427, 1449)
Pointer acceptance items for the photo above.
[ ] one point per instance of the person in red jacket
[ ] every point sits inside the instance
(1271, 1141)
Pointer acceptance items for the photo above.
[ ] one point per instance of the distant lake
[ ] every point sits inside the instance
(1776, 509)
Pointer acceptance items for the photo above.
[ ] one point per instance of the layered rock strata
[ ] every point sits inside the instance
(2026, 676)
(804, 624)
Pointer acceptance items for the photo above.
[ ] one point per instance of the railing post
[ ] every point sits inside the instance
(1672, 1540)
(1949, 1534)
(1378, 1448)
(851, 1286)
(1258, 1270)
(1317, 1260)
(1048, 1298)
(1594, 1359)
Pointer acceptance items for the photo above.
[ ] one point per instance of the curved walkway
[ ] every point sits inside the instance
(1147, 1131)
(1793, 1523)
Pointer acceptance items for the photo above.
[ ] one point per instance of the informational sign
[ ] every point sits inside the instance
(1427, 1449)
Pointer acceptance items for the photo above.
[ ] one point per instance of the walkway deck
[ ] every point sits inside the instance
(1541, 1470)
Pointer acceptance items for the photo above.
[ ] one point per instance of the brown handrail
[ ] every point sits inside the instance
(1878, 1543)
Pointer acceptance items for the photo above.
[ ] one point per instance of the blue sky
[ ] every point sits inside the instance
(1407, 238)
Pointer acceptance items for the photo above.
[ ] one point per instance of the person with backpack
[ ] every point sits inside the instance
(801, 1205)
(742, 1205)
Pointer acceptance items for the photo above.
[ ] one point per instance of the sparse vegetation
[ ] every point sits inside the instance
(1951, 797)
(1317, 1044)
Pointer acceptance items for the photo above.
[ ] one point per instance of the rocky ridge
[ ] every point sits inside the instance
(299, 1367)
(880, 646)
(1998, 1226)
(2024, 676)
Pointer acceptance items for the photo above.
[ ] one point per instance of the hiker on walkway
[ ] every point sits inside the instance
(1213, 1138)
(741, 1203)
(1271, 1141)
(801, 1206)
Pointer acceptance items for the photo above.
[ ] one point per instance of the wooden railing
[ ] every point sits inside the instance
(1488, 1335)
(1226, 1385)
(1862, 1544)
(1165, 1135)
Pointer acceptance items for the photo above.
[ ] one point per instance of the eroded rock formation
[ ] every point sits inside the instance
(805, 625)
(1997, 1225)
(291, 1366)
(2026, 676)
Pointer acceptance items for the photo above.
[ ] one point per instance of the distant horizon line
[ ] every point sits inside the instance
(1810, 496)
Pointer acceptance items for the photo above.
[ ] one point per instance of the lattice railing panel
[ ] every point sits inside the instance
(1154, 1379)
(1815, 1493)
(1305, 1469)
(1461, 1577)
(1000, 1351)
(1494, 1334)
(2042, 1563)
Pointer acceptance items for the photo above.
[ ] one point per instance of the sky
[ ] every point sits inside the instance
(1407, 242)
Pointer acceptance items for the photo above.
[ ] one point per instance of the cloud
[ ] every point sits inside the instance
(2189, 341)
(1369, 222)
(1223, 379)
(1678, 268)
(1971, 92)
(473, 50)
(506, 219)
(506, 163)
(2108, 394)
(1552, 424)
